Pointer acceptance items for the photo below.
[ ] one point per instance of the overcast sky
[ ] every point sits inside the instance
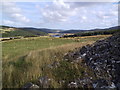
(60, 15)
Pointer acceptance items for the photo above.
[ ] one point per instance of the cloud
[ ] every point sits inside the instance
(85, 4)
(79, 14)
(60, 11)
(9, 7)
(57, 11)
(14, 13)
(84, 17)
(19, 17)
(8, 22)
(60, 14)
(104, 15)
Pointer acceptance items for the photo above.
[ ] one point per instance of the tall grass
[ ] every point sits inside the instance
(29, 64)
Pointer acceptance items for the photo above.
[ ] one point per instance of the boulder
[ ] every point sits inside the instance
(30, 85)
(44, 82)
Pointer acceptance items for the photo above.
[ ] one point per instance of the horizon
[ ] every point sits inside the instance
(60, 29)
(60, 15)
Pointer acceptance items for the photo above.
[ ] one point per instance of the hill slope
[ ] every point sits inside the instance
(13, 32)
(80, 31)
(29, 31)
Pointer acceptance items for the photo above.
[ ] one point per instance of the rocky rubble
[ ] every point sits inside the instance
(42, 82)
(30, 85)
(104, 58)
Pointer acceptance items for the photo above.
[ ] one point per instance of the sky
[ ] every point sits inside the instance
(58, 14)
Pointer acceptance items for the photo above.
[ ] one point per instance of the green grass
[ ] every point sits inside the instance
(68, 72)
(25, 60)
(19, 47)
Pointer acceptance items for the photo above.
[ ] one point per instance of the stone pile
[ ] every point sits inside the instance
(104, 58)
(42, 82)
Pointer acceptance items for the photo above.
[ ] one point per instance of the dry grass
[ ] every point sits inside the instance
(96, 36)
(30, 66)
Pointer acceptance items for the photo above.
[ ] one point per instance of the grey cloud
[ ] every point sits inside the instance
(62, 11)
(58, 11)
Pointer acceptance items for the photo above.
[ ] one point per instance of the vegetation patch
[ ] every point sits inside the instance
(28, 59)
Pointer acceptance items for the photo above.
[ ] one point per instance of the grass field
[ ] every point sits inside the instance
(25, 60)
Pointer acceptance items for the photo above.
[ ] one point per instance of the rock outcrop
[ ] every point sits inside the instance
(104, 58)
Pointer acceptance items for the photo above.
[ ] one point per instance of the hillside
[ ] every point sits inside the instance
(30, 31)
(97, 32)
(14, 32)
(106, 31)
(72, 31)
(41, 29)
(81, 31)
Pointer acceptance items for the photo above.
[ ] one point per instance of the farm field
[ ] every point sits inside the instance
(24, 60)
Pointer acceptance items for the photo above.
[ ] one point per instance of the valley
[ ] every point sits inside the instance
(44, 57)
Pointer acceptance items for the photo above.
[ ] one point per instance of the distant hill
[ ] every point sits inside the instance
(92, 32)
(8, 31)
(25, 32)
(2, 26)
(72, 31)
(79, 31)
(41, 29)
(111, 28)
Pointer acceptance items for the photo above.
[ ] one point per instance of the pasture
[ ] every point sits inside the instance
(25, 60)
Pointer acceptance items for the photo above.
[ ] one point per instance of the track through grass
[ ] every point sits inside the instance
(25, 60)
